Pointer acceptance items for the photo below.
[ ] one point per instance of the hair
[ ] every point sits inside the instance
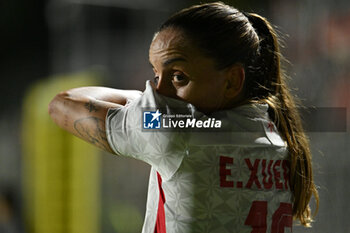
(233, 37)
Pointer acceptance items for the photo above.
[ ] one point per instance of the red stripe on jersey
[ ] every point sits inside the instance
(160, 223)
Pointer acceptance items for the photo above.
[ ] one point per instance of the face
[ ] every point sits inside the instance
(183, 72)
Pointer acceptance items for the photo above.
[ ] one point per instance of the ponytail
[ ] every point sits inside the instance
(266, 84)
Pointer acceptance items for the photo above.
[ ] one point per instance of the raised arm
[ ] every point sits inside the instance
(82, 111)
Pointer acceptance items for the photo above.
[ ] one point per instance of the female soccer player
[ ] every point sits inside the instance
(221, 67)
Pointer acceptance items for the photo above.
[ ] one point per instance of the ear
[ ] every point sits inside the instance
(234, 81)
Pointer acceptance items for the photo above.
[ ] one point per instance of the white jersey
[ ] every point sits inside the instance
(235, 179)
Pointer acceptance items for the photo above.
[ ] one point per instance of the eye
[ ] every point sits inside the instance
(156, 80)
(179, 78)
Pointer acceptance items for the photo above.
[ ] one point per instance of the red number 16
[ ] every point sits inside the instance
(280, 219)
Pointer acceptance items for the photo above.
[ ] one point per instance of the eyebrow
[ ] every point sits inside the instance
(172, 60)
(169, 61)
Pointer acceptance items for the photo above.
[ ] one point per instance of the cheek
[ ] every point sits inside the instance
(184, 93)
(195, 94)
(206, 97)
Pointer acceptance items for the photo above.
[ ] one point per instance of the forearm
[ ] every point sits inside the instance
(82, 111)
(105, 94)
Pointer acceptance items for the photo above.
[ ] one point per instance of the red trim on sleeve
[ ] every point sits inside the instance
(160, 223)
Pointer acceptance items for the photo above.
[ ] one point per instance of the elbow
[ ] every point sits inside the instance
(52, 107)
(56, 105)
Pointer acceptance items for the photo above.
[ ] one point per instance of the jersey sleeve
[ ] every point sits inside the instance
(164, 150)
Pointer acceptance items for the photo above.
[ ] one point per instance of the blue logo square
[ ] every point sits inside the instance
(152, 119)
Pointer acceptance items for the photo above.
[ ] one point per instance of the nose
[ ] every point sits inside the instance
(164, 87)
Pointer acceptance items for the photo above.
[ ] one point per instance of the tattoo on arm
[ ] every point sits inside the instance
(91, 106)
(94, 133)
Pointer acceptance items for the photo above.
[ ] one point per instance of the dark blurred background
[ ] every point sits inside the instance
(47, 46)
